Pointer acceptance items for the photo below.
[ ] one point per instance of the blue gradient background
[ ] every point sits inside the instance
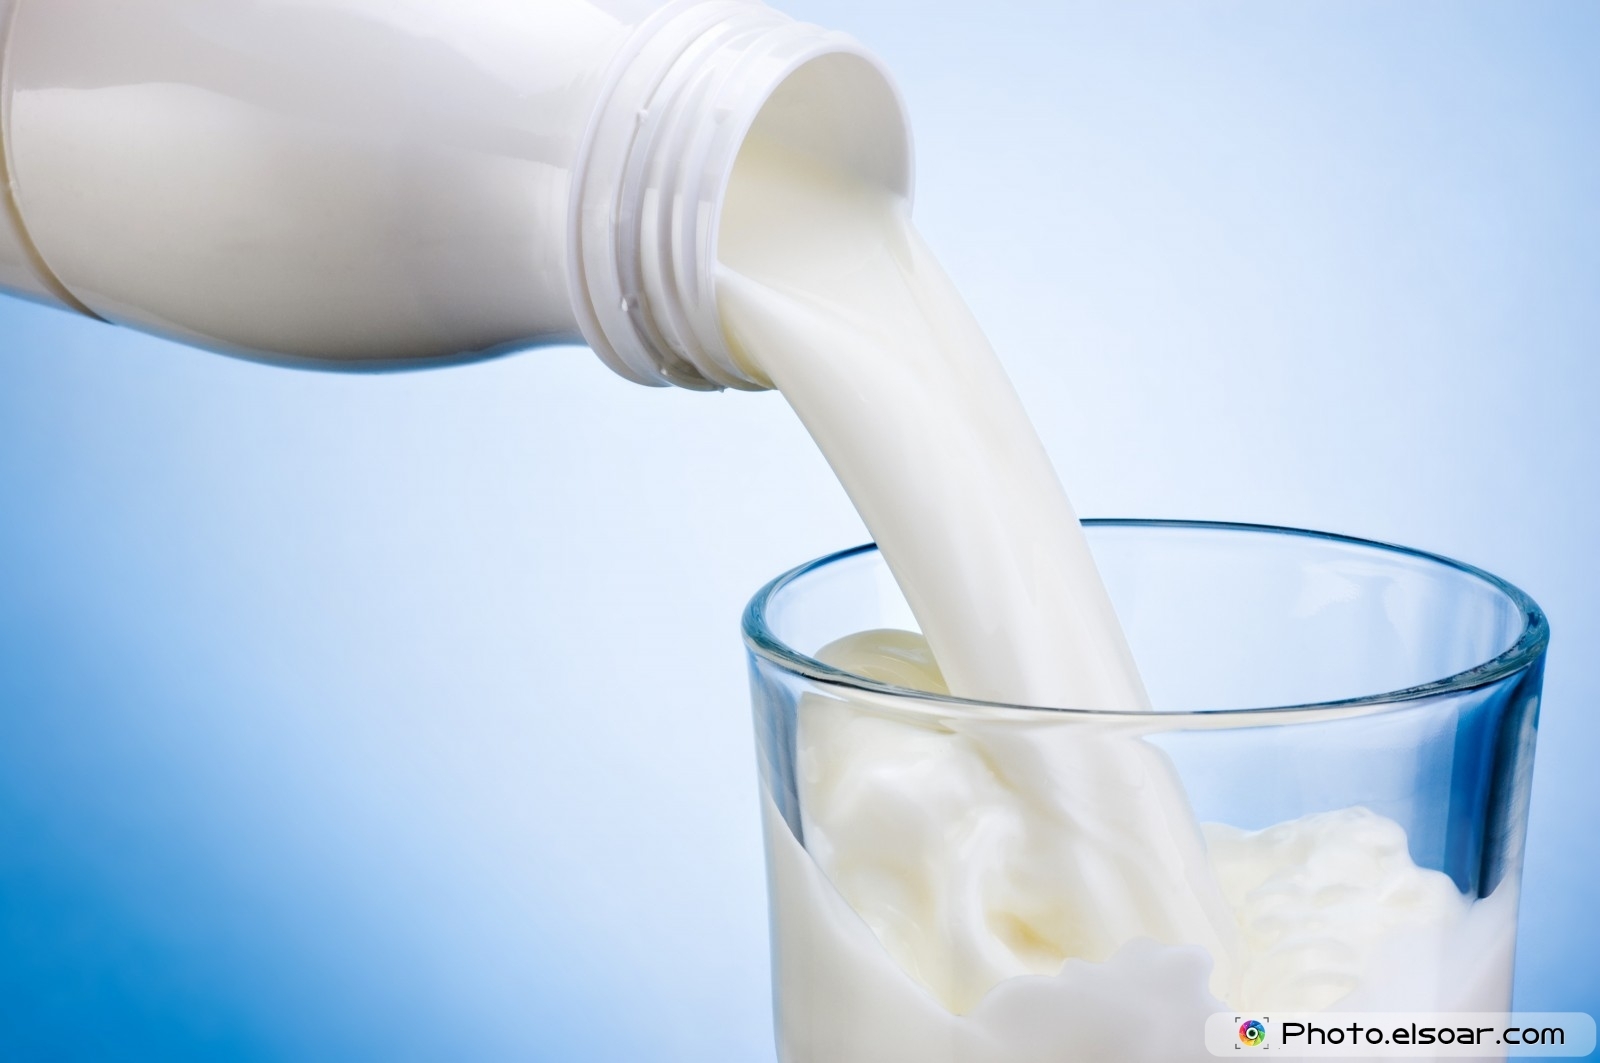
(404, 718)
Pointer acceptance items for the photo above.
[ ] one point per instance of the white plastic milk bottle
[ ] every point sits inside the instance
(391, 183)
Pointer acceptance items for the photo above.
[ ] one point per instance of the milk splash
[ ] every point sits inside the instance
(978, 892)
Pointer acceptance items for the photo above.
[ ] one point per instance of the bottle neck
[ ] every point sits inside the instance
(648, 193)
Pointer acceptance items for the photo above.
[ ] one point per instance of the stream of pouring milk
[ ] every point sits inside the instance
(968, 891)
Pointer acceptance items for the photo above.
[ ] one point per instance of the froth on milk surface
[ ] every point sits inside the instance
(972, 891)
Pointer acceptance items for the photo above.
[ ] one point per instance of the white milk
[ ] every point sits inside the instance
(845, 998)
(982, 892)
(829, 292)
(936, 913)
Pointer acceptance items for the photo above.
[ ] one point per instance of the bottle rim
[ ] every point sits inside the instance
(654, 170)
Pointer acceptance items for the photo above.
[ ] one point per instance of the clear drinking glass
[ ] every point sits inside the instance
(1352, 723)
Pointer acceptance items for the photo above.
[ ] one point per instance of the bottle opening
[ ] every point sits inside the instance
(842, 111)
(648, 199)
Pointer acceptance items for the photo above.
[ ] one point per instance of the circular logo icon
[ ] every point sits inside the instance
(1252, 1033)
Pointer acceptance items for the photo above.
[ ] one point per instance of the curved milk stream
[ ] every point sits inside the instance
(978, 892)
(830, 294)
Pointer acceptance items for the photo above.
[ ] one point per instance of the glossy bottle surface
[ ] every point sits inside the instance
(358, 182)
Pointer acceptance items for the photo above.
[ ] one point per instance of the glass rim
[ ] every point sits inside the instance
(1526, 650)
